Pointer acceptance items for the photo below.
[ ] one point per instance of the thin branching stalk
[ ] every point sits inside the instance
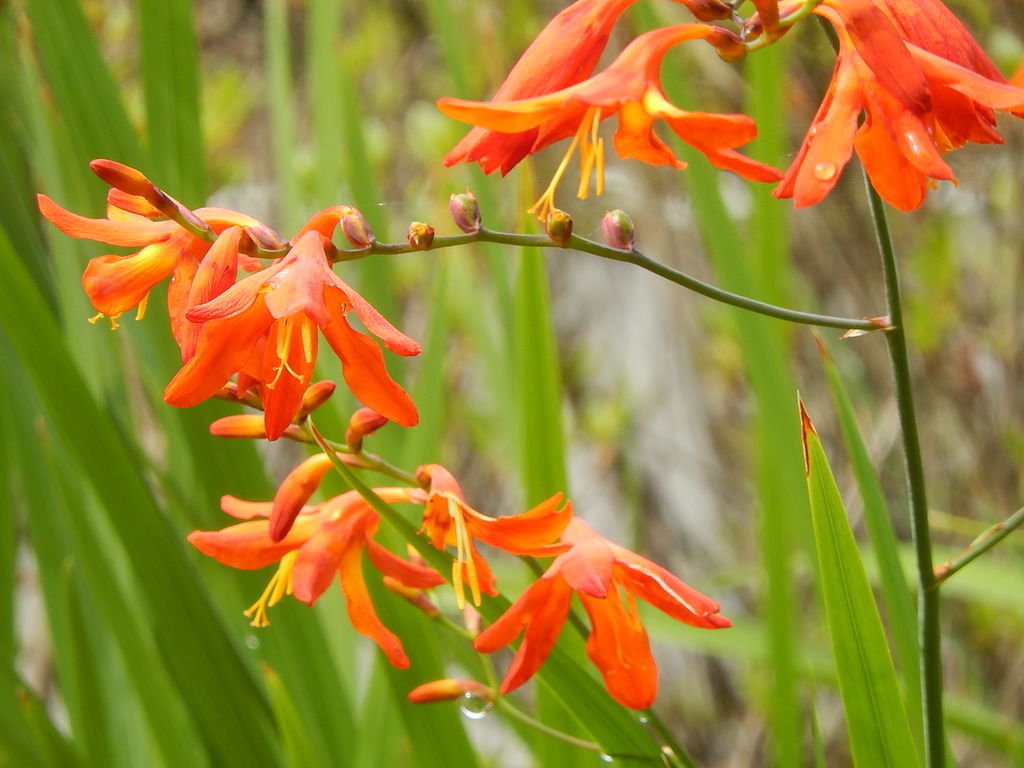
(980, 546)
(637, 258)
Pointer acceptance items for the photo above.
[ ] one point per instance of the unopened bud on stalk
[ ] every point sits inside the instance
(617, 228)
(364, 422)
(356, 230)
(124, 178)
(231, 392)
(248, 425)
(265, 238)
(421, 236)
(465, 211)
(450, 690)
(415, 596)
(558, 226)
(317, 394)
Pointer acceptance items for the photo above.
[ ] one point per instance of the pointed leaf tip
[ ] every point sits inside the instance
(806, 428)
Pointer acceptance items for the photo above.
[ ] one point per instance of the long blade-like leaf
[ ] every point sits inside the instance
(876, 720)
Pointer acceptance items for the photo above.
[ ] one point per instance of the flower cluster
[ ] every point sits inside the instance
(262, 330)
(312, 543)
(255, 340)
(910, 84)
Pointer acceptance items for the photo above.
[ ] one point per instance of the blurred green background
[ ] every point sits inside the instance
(670, 420)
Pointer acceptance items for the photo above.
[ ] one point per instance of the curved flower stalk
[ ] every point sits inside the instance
(926, 88)
(264, 328)
(596, 569)
(327, 539)
(631, 88)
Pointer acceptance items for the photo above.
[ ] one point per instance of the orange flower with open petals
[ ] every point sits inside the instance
(116, 284)
(596, 569)
(919, 102)
(631, 88)
(266, 327)
(449, 521)
(327, 539)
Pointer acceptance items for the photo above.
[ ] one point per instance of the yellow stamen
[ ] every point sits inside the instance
(463, 558)
(591, 154)
(284, 347)
(141, 311)
(591, 149)
(279, 586)
(114, 325)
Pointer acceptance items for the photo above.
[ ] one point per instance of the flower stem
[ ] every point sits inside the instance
(929, 638)
(637, 258)
(980, 546)
(504, 705)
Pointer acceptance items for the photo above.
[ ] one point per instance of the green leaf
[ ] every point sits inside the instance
(171, 85)
(298, 750)
(895, 592)
(876, 720)
(174, 598)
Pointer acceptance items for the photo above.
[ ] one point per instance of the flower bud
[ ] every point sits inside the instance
(450, 690)
(232, 393)
(558, 226)
(415, 596)
(248, 425)
(316, 395)
(124, 178)
(465, 211)
(471, 620)
(707, 10)
(364, 422)
(265, 238)
(356, 230)
(617, 228)
(421, 236)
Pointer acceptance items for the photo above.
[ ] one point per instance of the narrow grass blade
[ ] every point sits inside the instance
(170, 81)
(81, 84)
(298, 750)
(895, 592)
(174, 597)
(876, 720)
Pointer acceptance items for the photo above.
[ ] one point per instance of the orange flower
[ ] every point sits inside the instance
(596, 569)
(630, 87)
(449, 521)
(327, 539)
(115, 284)
(265, 328)
(919, 102)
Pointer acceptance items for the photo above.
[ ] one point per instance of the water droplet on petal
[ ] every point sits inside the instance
(825, 171)
(474, 707)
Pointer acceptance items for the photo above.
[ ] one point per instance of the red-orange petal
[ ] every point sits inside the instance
(361, 612)
(132, 232)
(525, 533)
(408, 574)
(619, 648)
(224, 347)
(362, 365)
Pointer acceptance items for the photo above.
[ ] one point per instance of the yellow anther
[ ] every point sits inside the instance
(279, 586)
(591, 156)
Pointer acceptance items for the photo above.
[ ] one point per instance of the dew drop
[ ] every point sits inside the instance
(825, 171)
(252, 642)
(643, 719)
(605, 757)
(474, 707)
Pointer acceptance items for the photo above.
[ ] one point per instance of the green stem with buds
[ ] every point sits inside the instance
(635, 257)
